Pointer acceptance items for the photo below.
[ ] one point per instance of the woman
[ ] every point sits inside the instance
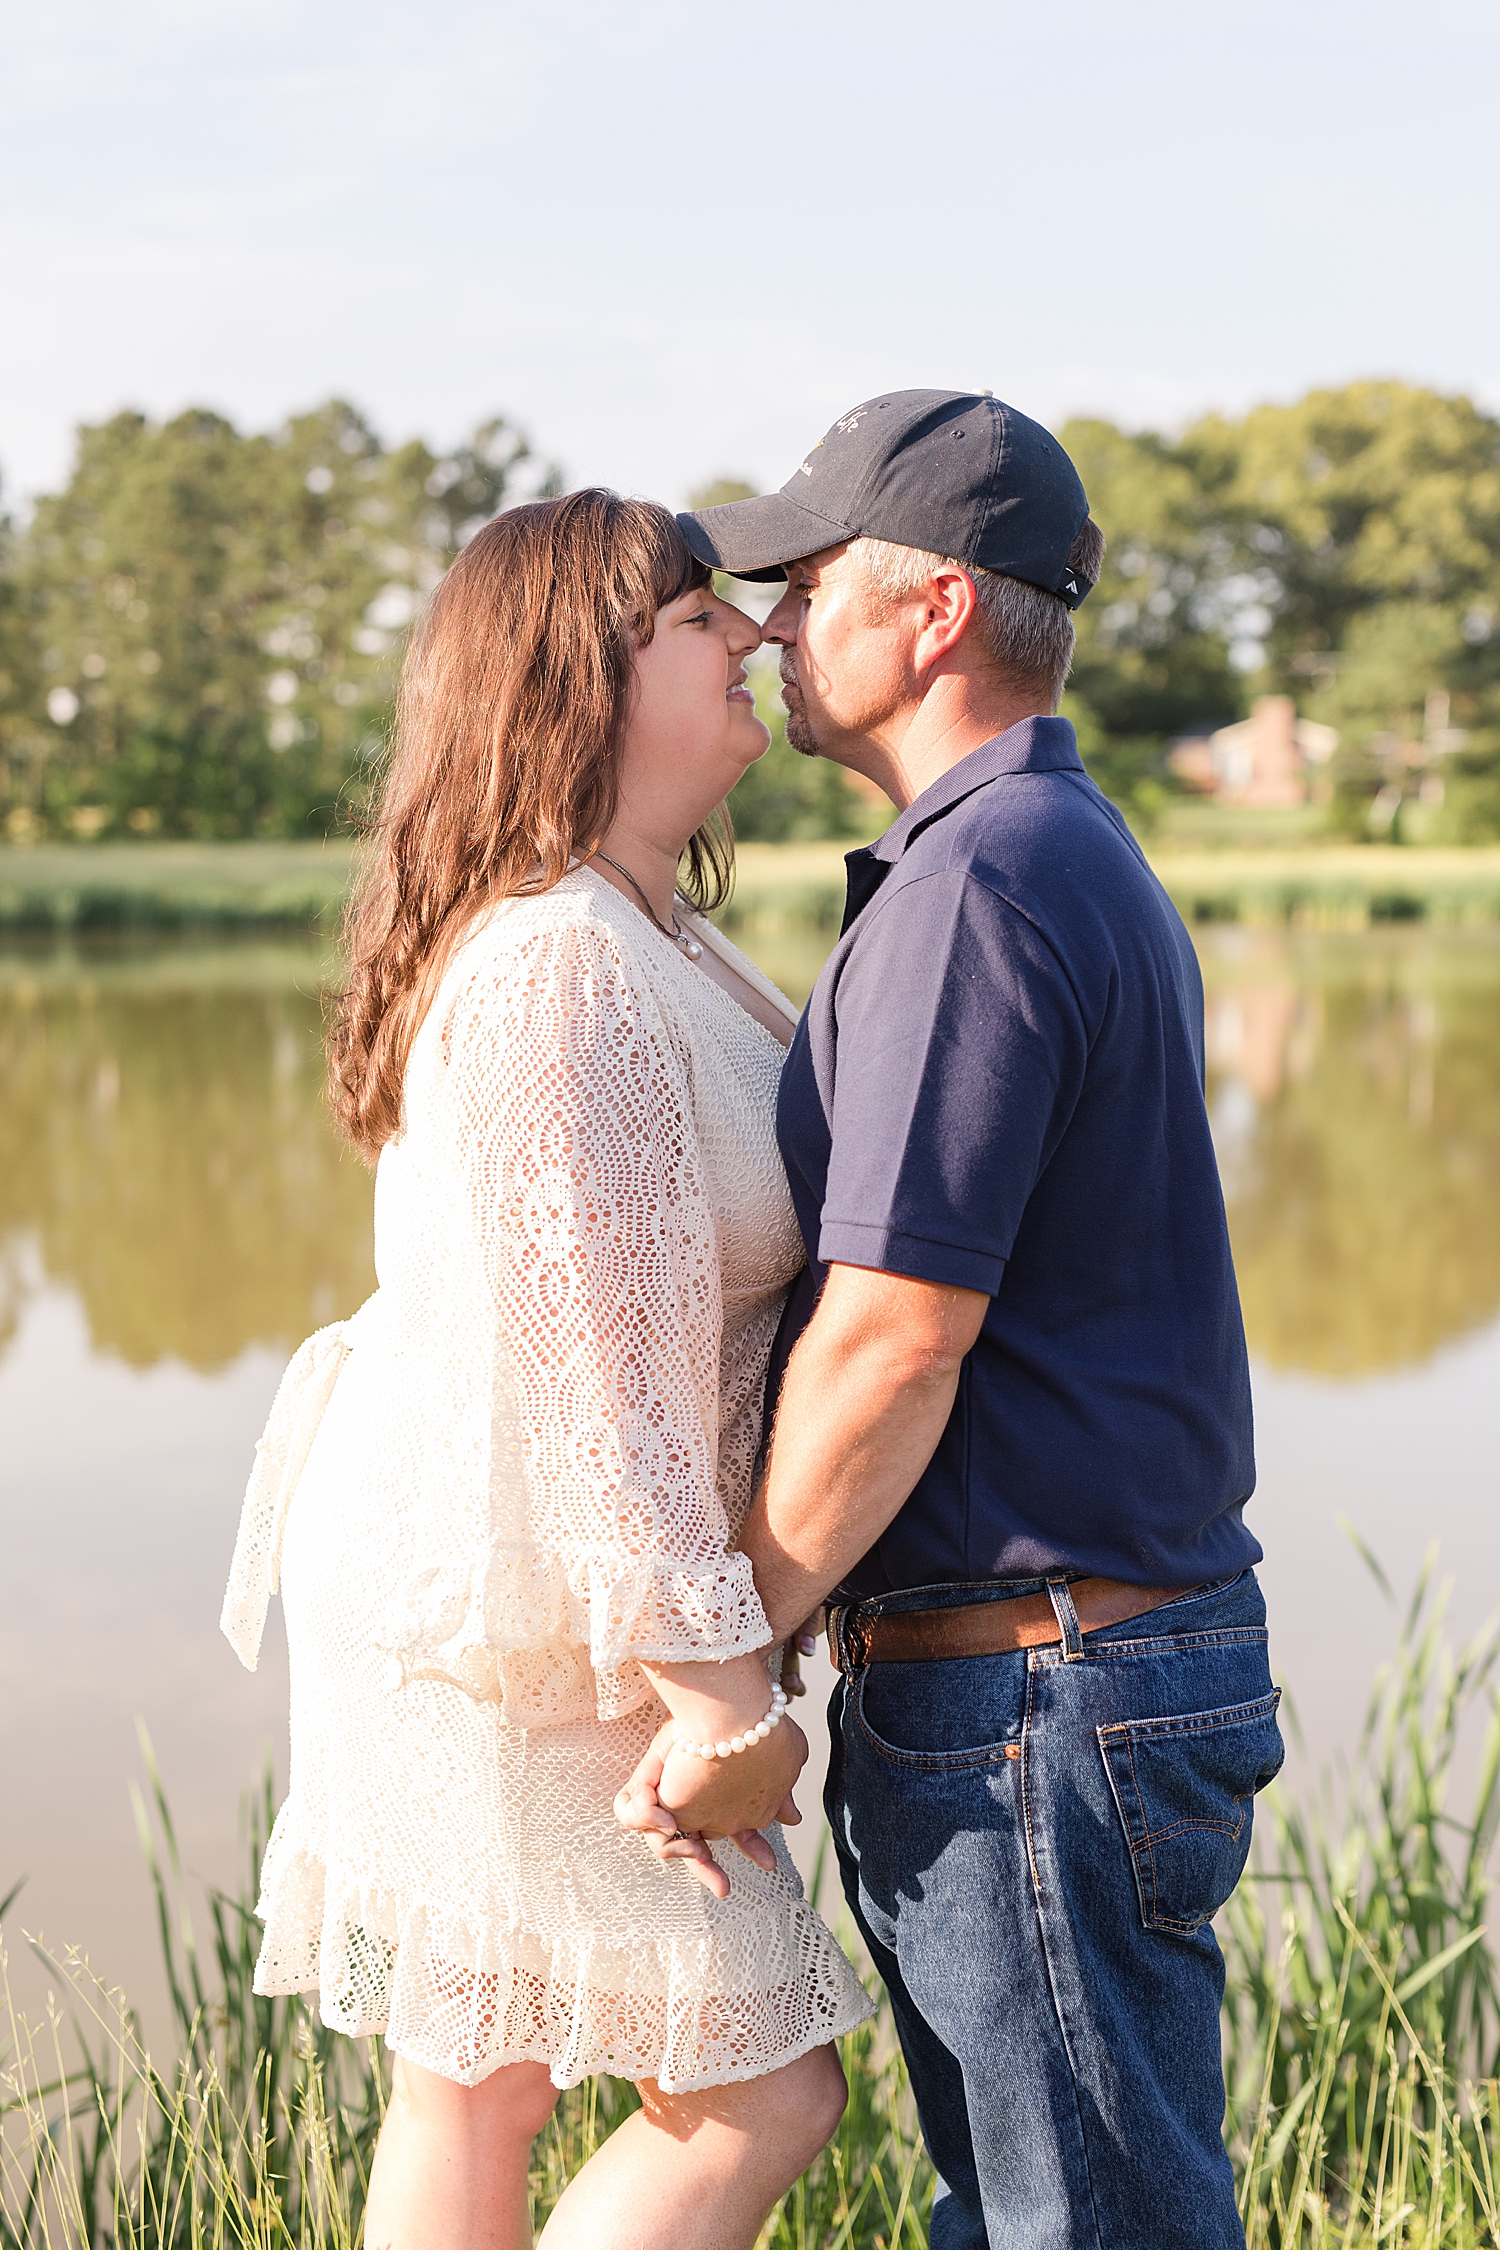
(518, 1470)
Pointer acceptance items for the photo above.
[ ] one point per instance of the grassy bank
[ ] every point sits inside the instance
(783, 889)
(1339, 887)
(1361, 2041)
(63, 887)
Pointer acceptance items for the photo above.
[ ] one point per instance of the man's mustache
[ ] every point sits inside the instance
(788, 672)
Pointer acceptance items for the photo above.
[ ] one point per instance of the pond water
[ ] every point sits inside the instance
(175, 1214)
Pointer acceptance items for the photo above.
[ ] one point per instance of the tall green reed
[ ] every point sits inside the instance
(1362, 2035)
(262, 2133)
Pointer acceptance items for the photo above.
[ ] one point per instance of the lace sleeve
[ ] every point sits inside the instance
(576, 1146)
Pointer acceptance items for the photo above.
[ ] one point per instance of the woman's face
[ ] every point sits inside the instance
(692, 729)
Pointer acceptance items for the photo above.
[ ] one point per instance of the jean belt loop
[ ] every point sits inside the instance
(1067, 1619)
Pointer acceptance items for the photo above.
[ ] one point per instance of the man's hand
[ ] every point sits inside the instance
(799, 1644)
(676, 1801)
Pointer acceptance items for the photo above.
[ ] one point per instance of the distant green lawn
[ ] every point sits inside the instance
(1198, 824)
(782, 889)
(117, 886)
(1339, 886)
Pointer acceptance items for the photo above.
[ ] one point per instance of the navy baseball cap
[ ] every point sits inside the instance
(950, 472)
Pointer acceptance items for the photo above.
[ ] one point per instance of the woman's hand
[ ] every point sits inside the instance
(727, 1796)
(675, 1798)
(671, 1805)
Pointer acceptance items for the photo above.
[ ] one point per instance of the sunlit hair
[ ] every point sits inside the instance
(504, 762)
(1025, 633)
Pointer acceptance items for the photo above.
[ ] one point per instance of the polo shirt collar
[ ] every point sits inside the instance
(1034, 745)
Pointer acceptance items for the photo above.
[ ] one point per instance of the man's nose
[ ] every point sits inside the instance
(781, 625)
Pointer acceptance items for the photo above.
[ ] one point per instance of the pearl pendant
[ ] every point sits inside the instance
(691, 948)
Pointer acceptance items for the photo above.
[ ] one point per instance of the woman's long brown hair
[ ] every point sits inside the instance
(504, 762)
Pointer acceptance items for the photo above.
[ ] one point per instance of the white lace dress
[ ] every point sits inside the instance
(509, 1477)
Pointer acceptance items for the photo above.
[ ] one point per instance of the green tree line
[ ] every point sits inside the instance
(1344, 551)
(198, 635)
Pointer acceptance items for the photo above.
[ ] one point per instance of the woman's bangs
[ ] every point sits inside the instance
(682, 572)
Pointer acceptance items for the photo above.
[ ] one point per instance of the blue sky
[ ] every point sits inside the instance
(673, 240)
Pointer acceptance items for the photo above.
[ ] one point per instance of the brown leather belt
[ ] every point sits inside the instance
(985, 1628)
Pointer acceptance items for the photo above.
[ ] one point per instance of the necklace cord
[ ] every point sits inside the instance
(677, 934)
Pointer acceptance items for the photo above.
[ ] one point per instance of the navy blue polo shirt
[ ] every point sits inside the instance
(998, 1083)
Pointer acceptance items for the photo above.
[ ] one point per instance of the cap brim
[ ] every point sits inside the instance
(758, 538)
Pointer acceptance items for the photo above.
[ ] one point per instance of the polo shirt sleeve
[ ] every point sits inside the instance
(960, 1055)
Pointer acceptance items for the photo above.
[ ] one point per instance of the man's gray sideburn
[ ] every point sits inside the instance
(1026, 635)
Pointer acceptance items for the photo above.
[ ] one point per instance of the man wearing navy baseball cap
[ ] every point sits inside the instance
(1013, 1441)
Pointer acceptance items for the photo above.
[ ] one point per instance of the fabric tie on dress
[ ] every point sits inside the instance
(280, 1456)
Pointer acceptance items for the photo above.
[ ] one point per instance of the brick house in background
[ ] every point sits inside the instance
(1269, 759)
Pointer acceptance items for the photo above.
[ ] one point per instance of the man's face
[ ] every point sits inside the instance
(843, 674)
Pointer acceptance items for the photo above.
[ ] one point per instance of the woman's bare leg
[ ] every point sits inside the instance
(702, 2171)
(451, 2162)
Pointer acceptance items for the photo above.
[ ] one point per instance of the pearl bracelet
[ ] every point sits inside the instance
(737, 1742)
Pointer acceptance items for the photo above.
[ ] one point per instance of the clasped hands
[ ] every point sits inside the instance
(678, 1800)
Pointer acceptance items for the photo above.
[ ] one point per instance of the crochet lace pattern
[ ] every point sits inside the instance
(513, 1474)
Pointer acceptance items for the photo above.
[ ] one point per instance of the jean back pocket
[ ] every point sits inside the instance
(1185, 1789)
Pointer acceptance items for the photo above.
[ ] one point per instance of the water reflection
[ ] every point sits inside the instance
(1354, 1086)
(164, 1150)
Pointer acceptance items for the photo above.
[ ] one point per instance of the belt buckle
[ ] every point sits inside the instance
(850, 1640)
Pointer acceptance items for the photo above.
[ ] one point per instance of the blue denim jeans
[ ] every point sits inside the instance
(1033, 1845)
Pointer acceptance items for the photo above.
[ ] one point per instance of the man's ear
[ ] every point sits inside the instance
(951, 600)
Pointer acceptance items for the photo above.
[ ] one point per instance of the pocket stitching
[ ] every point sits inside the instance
(922, 1761)
(1230, 1828)
(1195, 1722)
(1128, 1730)
(1162, 1644)
(1135, 1856)
(1031, 1859)
(1155, 1917)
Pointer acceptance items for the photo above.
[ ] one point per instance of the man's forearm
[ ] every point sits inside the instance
(867, 1395)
